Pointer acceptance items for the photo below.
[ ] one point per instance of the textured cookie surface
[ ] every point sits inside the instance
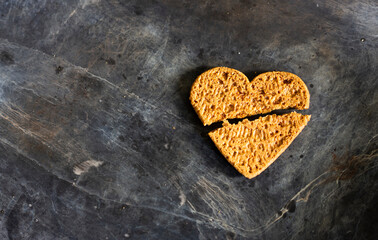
(251, 146)
(223, 93)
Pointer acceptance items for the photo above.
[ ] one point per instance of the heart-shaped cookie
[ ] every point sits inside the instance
(250, 146)
(223, 93)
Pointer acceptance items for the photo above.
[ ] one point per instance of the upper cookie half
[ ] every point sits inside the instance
(224, 93)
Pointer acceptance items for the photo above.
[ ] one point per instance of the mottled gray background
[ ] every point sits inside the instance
(100, 88)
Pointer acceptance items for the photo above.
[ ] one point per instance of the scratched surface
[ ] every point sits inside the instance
(98, 139)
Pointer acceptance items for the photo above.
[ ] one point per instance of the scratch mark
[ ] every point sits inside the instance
(17, 118)
(69, 17)
(72, 13)
(191, 206)
(85, 166)
(182, 198)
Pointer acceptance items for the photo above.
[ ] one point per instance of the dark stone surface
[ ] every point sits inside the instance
(98, 139)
